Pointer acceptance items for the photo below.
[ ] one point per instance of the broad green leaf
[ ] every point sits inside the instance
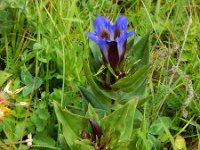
(30, 82)
(28, 79)
(111, 70)
(24, 147)
(38, 83)
(94, 61)
(3, 77)
(43, 114)
(133, 144)
(101, 94)
(163, 137)
(142, 101)
(156, 128)
(91, 113)
(18, 130)
(139, 51)
(72, 124)
(63, 143)
(136, 91)
(26, 76)
(39, 123)
(40, 116)
(37, 46)
(129, 81)
(43, 140)
(119, 125)
(90, 98)
(27, 90)
(83, 145)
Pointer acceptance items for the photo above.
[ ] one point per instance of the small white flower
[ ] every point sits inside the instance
(29, 140)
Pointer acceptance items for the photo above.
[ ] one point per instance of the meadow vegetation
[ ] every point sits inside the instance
(43, 48)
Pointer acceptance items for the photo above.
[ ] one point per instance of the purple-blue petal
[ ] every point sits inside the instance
(111, 38)
(121, 40)
(120, 44)
(130, 33)
(121, 23)
(104, 46)
(101, 23)
(93, 37)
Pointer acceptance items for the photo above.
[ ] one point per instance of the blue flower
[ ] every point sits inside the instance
(111, 39)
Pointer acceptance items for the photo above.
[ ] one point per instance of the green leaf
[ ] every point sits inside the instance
(72, 124)
(16, 4)
(119, 125)
(26, 76)
(43, 114)
(91, 113)
(38, 83)
(18, 130)
(83, 145)
(157, 128)
(154, 141)
(111, 70)
(63, 143)
(94, 57)
(101, 69)
(99, 93)
(139, 51)
(39, 123)
(137, 91)
(90, 98)
(3, 77)
(30, 82)
(25, 147)
(126, 83)
(37, 46)
(40, 116)
(27, 90)
(142, 101)
(43, 140)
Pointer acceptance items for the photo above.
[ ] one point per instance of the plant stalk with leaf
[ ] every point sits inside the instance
(117, 68)
(112, 41)
(116, 72)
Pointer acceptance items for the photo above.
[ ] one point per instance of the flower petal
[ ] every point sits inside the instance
(97, 131)
(121, 45)
(101, 23)
(121, 23)
(130, 33)
(102, 44)
(104, 50)
(111, 39)
(93, 37)
(113, 55)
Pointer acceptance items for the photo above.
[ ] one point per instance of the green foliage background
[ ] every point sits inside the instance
(43, 43)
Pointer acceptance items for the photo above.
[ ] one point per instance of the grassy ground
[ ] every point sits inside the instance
(42, 43)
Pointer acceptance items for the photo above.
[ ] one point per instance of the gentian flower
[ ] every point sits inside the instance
(111, 39)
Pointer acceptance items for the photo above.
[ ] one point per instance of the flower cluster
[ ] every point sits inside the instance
(4, 103)
(111, 39)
